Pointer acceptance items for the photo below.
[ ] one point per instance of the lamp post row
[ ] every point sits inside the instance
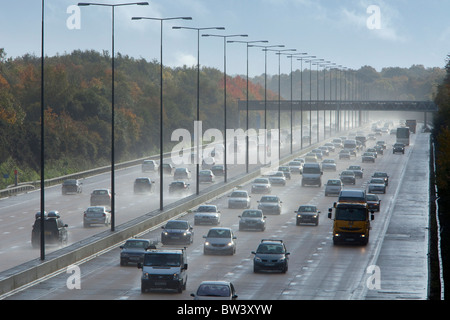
(225, 37)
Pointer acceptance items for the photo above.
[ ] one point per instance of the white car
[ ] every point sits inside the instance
(207, 214)
(96, 215)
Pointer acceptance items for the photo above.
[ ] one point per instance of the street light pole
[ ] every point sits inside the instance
(112, 6)
(301, 99)
(225, 37)
(278, 52)
(246, 136)
(197, 142)
(265, 94)
(161, 107)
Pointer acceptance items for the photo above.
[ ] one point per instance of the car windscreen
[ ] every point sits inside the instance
(350, 214)
(183, 225)
(162, 260)
(311, 170)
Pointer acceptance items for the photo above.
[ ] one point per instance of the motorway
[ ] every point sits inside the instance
(317, 269)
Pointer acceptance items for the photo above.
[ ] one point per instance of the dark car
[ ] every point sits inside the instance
(71, 186)
(286, 170)
(100, 197)
(149, 165)
(398, 148)
(383, 175)
(357, 170)
(252, 219)
(55, 231)
(373, 201)
(307, 214)
(167, 168)
(270, 204)
(177, 231)
(133, 251)
(206, 176)
(178, 187)
(348, 177)
(181, 173)
(143, 185)
(344, 154)
(271, 255)
(218, 170)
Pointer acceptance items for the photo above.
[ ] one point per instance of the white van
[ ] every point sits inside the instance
(312, 174)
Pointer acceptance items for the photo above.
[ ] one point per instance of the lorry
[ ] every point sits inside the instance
(312, 174)
(352, 216)
(164, 269)
(411, 124)
(403, 135)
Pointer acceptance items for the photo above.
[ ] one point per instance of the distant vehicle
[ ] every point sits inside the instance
(373, 201)
(208, 163)
(215, 290)
(133, 251)
(182, 174)
(276, 178)
(374, 151)
(55, 230)
(295, 166)
(376, 185)
(100, 197)
(271, 255)
(403, 135)
(207, 214)
(325, 151)
(143, 185)
(261, 185)
(252, 219)
(333, 187)
(307, 214)
(178, 187)
(239, 199)
(368, 157)
(312, 174)
(348, 177)
(149, 165)
(411, 124)
(329, 165)
(381, 143)
(206, 176)
(220, 241)
(177, 231)
(344, 154)
(218, 169)
(350, 144)
(286, 170)
(398, 148)
(379, 149)
(331, 147)
(318, 153)
(71, 186)
(338, 143)
(311, 158)
(384, 175)
(357, 170)
(167, 168)
(270, 204)
(96, 215)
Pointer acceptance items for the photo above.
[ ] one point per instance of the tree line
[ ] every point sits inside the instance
(77, 104)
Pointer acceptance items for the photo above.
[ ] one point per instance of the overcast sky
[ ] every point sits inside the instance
(351, 33)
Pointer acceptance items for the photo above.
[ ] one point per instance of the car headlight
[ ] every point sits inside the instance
(207, 243)
(230, 244)
(257, 259)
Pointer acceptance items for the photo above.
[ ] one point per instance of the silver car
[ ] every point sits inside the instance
(239, 199)
(252, 219)
(261, 185)
(377, 185)
(207, 214)
(328, 165)
(333, 187)
(270, 204)
(96, 215)
(220, 241)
